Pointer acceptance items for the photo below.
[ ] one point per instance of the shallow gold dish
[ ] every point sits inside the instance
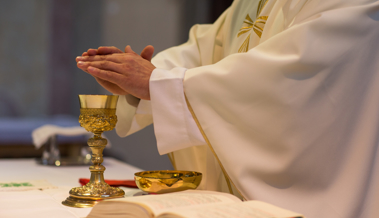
(164, 181)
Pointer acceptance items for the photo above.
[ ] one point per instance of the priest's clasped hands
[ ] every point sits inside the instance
(118, 72)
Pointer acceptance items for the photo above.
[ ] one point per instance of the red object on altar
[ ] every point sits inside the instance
(114, 183)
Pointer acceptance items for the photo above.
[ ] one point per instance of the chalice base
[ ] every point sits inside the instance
(90, 194)
(79, 203)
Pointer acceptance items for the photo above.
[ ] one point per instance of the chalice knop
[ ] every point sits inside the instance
(97, 114)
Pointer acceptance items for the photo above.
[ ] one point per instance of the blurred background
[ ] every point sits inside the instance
(39, 80)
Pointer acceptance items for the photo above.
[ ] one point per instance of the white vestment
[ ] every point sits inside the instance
(286, 95)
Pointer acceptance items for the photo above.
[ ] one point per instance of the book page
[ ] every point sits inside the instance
(248, 209)
(119, 209)
(156, 203)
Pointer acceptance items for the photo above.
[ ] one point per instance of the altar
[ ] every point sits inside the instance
(47, 203)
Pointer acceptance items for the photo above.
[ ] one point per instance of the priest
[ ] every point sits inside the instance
(276, 101)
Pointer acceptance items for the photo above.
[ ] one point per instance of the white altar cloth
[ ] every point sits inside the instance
(47, 203)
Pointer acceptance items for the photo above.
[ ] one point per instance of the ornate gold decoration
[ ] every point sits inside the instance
(164, 181)
(98, 190)
(96, 120)
(249, 25)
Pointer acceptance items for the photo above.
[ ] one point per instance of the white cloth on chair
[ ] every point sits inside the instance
(42, 134)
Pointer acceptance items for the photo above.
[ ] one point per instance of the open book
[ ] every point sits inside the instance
(197, 204)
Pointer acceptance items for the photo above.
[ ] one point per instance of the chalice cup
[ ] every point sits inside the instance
(97, 114)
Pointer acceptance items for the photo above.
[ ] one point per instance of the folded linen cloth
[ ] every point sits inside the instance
(114, 183)
(43, 133)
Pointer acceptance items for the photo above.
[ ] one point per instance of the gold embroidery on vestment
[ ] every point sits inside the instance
(249, 25)
(245, 45)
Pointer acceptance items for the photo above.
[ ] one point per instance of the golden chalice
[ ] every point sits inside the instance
(97, 114)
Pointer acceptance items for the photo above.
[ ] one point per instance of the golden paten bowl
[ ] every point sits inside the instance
(164, 181)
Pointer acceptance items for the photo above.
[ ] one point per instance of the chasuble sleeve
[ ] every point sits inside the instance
(135, 114)
(174, 126)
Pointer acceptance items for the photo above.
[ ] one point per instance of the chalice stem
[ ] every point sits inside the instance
(97, 145)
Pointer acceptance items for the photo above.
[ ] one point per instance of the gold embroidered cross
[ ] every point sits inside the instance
(249, 25)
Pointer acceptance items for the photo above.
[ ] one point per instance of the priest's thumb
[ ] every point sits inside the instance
(147, 52)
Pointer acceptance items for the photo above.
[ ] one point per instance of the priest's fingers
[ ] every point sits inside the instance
(92, 52)
(105, 50)
(82, 67)
(111, 87)
(117, 58)
(135, 84)
(128, 49)
(106, 75)
(103, 65)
